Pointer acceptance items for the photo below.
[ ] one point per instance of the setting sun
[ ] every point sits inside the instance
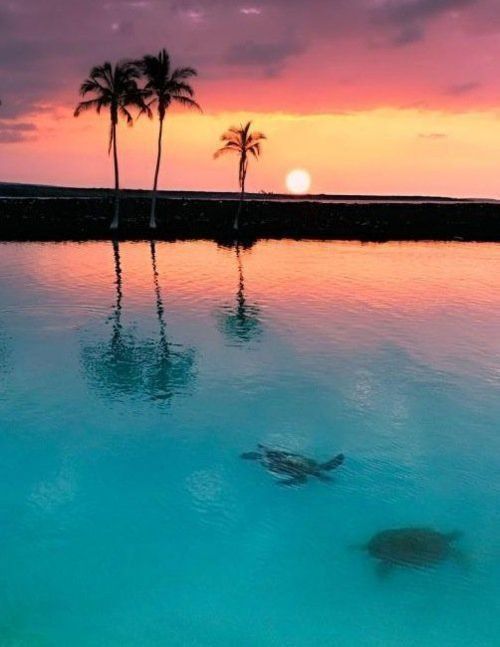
(298, 181)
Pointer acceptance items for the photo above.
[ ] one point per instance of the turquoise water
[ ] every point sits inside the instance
(132, 378)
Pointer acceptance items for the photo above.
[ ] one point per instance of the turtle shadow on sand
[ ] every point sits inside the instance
(295, 466)
(413, 548)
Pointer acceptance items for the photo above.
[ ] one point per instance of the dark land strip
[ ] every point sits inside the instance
(29, 212)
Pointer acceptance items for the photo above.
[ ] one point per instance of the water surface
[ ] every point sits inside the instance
(132, 376)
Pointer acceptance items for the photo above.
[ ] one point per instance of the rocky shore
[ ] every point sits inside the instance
(87, 217)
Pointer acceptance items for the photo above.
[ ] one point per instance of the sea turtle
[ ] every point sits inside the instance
(294, 465)
(413, 547)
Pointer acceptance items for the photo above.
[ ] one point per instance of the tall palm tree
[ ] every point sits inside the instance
(114, 88)
(244, 143)
(164, 86)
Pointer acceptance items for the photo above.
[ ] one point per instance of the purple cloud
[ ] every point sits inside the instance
(16, 132)
(270, 54)
(459, 89)
(47, 48)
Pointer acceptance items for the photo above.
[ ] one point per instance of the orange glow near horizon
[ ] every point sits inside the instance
(430, 285)
(402, 276)
(385, 151)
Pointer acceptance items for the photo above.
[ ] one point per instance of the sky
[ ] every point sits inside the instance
(369, 96)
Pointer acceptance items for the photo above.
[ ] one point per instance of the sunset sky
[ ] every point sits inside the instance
(370, 96)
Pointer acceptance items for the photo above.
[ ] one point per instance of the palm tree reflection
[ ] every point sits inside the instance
(130, 366)
(241, 323)
(170, 368)
(4, 357)
(114, 366)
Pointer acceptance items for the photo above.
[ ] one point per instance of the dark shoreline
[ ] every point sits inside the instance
(49, 213)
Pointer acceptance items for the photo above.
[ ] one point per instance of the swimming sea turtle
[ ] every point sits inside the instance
(294, 465)
(413, 547)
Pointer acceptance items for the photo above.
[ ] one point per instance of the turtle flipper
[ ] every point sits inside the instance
(333, 463)
(251, 456)
(324, 477)
(296, 480)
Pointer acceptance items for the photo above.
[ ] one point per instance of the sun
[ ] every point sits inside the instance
(298, 181)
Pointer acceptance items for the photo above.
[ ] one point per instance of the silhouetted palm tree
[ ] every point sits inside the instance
(114, 88)
(244, 143)
(164, 87)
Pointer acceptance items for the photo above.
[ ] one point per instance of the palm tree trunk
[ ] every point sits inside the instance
(152, 219)
(116, 217)
(236, 223)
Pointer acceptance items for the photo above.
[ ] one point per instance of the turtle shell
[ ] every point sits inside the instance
(410, 546)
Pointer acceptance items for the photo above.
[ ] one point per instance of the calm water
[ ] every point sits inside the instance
(130, 383)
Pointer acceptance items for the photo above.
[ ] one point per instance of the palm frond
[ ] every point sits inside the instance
(126, 115)
(182, 73)
(186, 102)
(146, 109)
(224, 150)
(254, 150)
(255, 137)
(163, 86)
(233, 145)
(179, 87)
(235, 130)
(228, 136)
(83, 106)
(114, 87)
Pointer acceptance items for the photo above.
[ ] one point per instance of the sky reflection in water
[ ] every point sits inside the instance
(133, 376)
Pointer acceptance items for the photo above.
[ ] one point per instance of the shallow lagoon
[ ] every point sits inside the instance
(132, 377)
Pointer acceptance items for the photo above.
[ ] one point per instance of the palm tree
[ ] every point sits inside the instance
(115, 89)
(164, 87)
(244, 143)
